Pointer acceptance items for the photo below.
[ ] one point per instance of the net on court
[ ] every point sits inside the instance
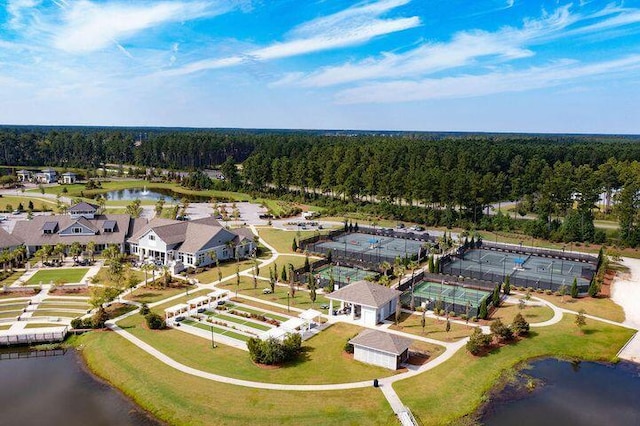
(370, 248)
(452, 297)
(343, 274)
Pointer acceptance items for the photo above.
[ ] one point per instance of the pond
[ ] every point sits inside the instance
(153, 195)
(54, 388)
(569, 393)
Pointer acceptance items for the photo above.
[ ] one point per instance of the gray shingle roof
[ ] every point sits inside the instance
(365, 293)
(7, 240)
(381, 341)
(50, 227)
(110, 225)
(82, 207)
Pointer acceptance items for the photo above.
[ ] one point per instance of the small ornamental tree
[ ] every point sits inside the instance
(283, 276)
(436, 266)
(519, 326)
(398, 311)
(447, 327)
(99, 318)
(431, 266)
(506, 288)
(329, 256)
(423, 320)
(593, 288)
(581, 321)
(294, 245)
(483, 313)
(144, 309)
(574, 288)
(306, 263)
(478, 341)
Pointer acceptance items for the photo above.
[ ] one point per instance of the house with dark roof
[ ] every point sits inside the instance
(382, 349)
(23, 175)
(81, 224)
(191, 243)
(366, 302)
(8, 241)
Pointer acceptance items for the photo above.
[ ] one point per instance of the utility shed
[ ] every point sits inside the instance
(381, 349)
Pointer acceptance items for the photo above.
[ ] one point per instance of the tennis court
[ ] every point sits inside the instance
(367, 247)
(523, 269)
(453, 297)
(342, 275)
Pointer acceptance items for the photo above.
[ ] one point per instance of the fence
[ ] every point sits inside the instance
(27, 338)
(542, 252)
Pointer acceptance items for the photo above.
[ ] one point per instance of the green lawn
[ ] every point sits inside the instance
(181, 399)
(262, 306)
(39, 204)
(79, 299)
(282, 240)
(246, 309)
(227, 268)
(57, 313)
(53, 305)
(469, 378)
(11, 279)
(217, 330)
(532, 314)
(283, 262)
(322, 361)
(102, 277)
(13, 306)
(43, 325)
(229, 318)
(5, 326)
(68, 275)
(301, 300)
(154, 294)
(600, 307)
(10, 314)
(434, 329)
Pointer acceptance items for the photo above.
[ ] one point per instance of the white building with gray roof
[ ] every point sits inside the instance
(364, 301)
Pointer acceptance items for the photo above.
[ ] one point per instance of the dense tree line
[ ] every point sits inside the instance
(436, 179)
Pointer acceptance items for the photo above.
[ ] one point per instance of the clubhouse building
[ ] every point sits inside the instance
(170, 242)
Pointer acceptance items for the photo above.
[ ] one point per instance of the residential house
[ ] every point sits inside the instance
(23, 175)
(69, 177)
(46, 176)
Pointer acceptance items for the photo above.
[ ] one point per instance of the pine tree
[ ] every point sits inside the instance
(574, 288)
(346, 226)
(580, 319)
(431, 266)
(306, 263)
(506, 289)
(436, 266)
(423, 320)
(483, 309)
(593, 288)
(356, 227)
(283, 277)
(294, 245)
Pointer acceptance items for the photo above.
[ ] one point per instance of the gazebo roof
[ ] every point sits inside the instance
(310, 314)
(218, 292)
(199, 299)
(381, 341)
(292, 324)
(365, 293)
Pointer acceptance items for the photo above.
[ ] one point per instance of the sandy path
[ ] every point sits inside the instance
(625, 291)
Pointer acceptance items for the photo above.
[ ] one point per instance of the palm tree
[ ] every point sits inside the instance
(385, 267)
(60, 250)
(40, 253)
(75, 250)
(48, 251)
(166, 275)
(146, 267)
(91, 249)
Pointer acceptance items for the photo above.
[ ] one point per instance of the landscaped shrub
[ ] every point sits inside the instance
(76, 323)
(99, 318)
(519, 326)
(478, 341)
(548, 292)
(452, 314)
(500, 330)
(271, 351)
(155, 321)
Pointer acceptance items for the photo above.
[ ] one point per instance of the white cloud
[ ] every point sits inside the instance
(349, 27)
(19, 10)
(505, 44)
(89, 26)
(467, 86)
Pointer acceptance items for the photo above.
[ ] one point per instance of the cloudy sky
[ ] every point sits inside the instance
(459, 65)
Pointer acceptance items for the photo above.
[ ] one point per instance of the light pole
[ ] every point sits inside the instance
(213, 343)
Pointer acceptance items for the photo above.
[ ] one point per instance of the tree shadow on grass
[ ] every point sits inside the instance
(303, 356)
(589, 331)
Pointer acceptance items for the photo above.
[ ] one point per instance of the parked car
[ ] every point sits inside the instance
(266, 291)
(180, 318)
(201, 310)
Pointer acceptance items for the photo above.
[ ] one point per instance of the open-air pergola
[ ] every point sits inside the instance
(198, 302)
(175, 310)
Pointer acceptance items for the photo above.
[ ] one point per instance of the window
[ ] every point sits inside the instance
(152, 237)
(77, 230)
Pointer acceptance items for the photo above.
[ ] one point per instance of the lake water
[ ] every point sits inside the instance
(58, 390)
(153, 195)
(579, 393)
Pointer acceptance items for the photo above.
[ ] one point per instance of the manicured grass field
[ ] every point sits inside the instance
(232, 319)
(227, 268)
(58, 313)
(255, 311)
(262, 306)
(39, 204)
(283, 261)
(11, 279)
(53, 305)
(5, 326)
(321, 362)
(68, 275)
(469, 378)
(181, 399)
(300, 301)
(532, 314)
(282, 240)
(102, 277)
(79, 299)
(600, 307)
(42, 325)
(154, 294)
(12, 306)
(217, 330)
(10, 314)
(434, 329)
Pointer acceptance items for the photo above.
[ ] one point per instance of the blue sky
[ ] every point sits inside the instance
(458, 65)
